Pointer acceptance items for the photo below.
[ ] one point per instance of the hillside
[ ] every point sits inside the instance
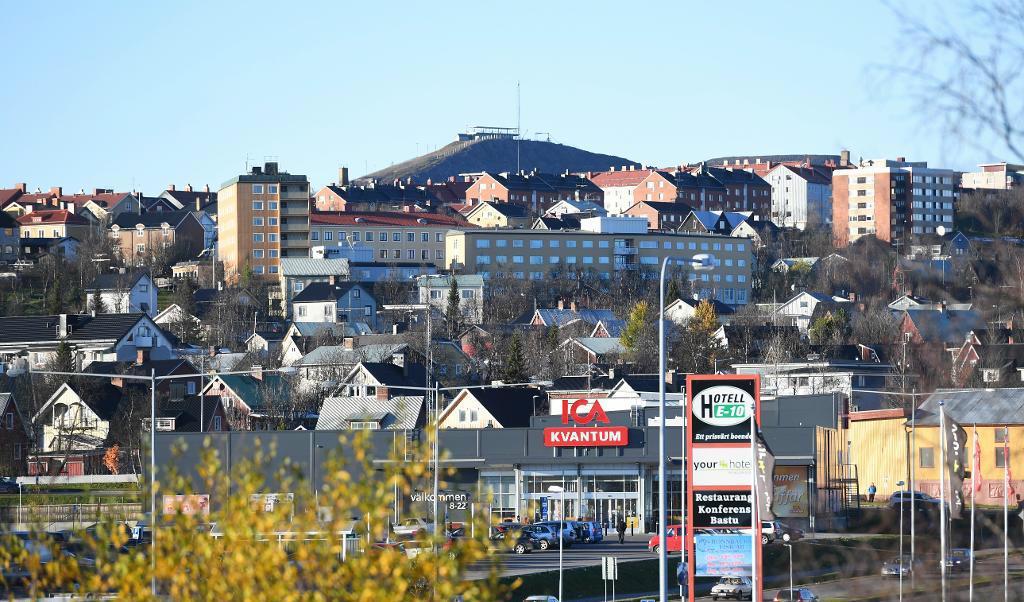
(497, 155)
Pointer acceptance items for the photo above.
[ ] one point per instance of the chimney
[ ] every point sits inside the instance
(611, 374)
(572, 305)
(852, 296)
(382, 393)
(56, 191)
(561, 304)
(188, 187)
(901, 159)
(844, 158)
(256, 371)
(199, 203)
(171, 188)
(612, 168)
(349, 343)
(62, 326)
(206, 188)
(22, 187)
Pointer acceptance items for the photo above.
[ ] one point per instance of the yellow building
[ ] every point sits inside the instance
(263, 216)
(880, 442)
(489, 214)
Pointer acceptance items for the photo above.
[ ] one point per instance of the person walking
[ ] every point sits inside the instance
(621, 527)
(872, 490)
(604, 525)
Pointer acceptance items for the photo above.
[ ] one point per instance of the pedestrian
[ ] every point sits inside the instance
(604, 525)
(871, 492)
(621, 527)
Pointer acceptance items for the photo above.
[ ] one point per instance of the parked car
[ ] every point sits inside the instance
(11, 573)
(541, 599)
(894, 567)
(673, 535)
(797, 593)
(568, 532)
(8, 485)
(499, 530)
(413, 526)
(593, 532)
(958, 560)
(732, 588)
(525, 543)
(545, 535)
(921, 500)
(787, 533)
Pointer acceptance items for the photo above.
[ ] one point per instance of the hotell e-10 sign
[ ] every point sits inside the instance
(587, 431)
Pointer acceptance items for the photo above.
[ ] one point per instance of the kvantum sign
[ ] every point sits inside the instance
(585, 435)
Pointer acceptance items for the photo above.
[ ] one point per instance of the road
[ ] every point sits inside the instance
(579, 555)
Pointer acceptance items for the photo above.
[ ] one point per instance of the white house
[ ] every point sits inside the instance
(123, 293)
(801, 309)
(572, 206)
(67, 422)
(800, 195)
(339, 302)
(681, 310)
(496, 408)
(434, 290)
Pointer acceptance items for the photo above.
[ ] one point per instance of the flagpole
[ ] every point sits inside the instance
(942, 496)
(974, 494)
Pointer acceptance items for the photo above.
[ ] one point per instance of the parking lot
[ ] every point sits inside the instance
(579, 555)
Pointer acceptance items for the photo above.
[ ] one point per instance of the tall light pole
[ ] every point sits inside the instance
(790, 546)
(698, 262)
(900, 485)
(561, 531)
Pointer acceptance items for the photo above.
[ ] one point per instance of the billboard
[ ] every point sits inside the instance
(188, 505)
(792, 499)
(590, 415)
(723, 556)
(721, 509)
(718, 466)
(721, 411)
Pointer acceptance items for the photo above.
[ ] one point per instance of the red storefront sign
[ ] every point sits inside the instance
(591, 436)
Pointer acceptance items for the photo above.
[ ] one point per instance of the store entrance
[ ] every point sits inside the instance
(612, 509)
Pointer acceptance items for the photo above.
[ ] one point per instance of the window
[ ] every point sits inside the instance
(553, 243)
(271, 221)
(272, 237)
(272, 253)
(271, 188)
(396, 254)
(483, 244)
(553, 259)
(272, 205)
(425, 255)
(536, 260)
(140, 248)
(382, 236)
(257, 188)
(9, 421)
(501, 243)
(517, 259)
(588, 259)
(462, 415)
(990, 375)
(927, 457)
(439, 237)
(355, 237)
(257, 221)
(517, 244)
(536, 244)
(383, 253)
(257, 269)
(1000, 436)
(257, 253)
(190, 387)
(570, 244)
(438, 254)
(396, 236)
(328, 235)
(369, 236)
(258, 237)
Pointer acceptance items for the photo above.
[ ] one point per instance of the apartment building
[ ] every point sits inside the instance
(708, 188)
(263, 216)
(994, 176)
(618, 186)
(891, 199)
(720, 265)
(534, 190)
(801, 195)
(53, 223)
(137, 237)
(392, 236)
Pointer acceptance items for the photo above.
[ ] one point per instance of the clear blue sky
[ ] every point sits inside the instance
(116, 94)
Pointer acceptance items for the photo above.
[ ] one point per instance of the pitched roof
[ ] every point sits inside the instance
(114, 281)
(325, 291)
(976, 406)
(512, 407)
(52, 216)
(949, 326)
(404, 412)
(562, 317)
(816, 174)
(613, 327)
(253, 391)
(512, 210)
(390, 375)
(612, 179)
(161, 367)
(340, 354)
(568, 221)
(665, 206)
(308, 266)
(601, 345)
(153, 219)
(186, 412)
(386, 218)
(83, 327)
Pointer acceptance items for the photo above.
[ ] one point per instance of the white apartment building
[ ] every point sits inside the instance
(800, 195)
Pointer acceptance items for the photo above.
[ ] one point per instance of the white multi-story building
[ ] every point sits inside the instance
(994, 176)
(800, 195)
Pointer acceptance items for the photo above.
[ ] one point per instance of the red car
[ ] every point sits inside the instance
(673, 535)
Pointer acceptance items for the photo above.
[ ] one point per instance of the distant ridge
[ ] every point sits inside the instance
(496, 155)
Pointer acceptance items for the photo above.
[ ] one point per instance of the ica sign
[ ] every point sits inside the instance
(585, 417)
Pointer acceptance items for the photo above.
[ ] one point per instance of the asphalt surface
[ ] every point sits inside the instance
(579, 555)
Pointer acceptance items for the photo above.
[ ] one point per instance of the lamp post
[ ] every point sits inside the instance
(561, 531)
(21, 504)
(900, 485)
(698, 262)
(790, 546)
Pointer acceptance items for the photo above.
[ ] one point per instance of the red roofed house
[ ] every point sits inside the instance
(53, 223)
(618, 187)
(392, 236)
(534, 190)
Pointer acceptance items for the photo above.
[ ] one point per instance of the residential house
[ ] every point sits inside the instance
(982, 364)
(10, 238)
(500, 407)
(911, 301)
(173, 315)
(383, 380)
(139, 237)
(186, 199)
(761, 233)
(681, 310)
(33, 249)
(259, 400)
(801, 195)
(435, 290)
(806, 306)
(661, 215)
(712, 222)
(391, 237)
(583, 352)
(324, 366)
(374, 196)
(198, 271)
(72, 428)
(123, 293)
(267, 339)
(16, 439)
(800, 264)
(339, 302)
(302, 338)
(575, 207)
(568, 221)
(299, 272)
(103, 337)
(53, 223)
(563, 315)
(402, 412)
(946, 327)
(489, 214)
(609, 328)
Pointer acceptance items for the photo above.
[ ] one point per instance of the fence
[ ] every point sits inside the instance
(70, 513)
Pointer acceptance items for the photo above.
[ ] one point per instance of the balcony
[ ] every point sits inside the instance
(294, 209)
(294, 243)
(295, 227)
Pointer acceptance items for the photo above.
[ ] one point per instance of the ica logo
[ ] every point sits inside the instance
(722, 406)
(575, 411)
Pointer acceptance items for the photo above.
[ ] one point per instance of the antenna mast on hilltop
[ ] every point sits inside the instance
(519, 131)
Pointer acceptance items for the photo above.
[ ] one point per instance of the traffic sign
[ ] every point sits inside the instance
(609, 568)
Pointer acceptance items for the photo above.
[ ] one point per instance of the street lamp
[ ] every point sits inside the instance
(561, 531)
(697, 262)
(790, 546)
(900, 484)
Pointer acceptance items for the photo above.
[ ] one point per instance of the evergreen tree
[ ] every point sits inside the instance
(63, 359)
(515, 362)
(55, 294)
(453, 313)
(674, 291)
(98, 305)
